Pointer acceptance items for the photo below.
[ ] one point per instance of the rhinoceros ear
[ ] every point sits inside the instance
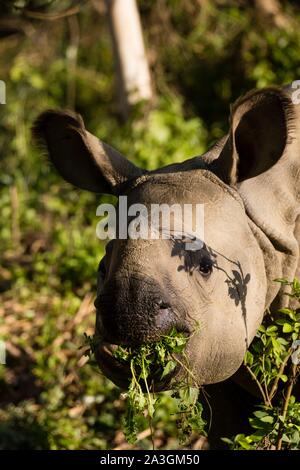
(80, 157)
(261, 125)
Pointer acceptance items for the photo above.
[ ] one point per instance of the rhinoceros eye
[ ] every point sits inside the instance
(206, 266)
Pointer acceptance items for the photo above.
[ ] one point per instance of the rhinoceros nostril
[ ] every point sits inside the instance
(163, 305)
(164, 320)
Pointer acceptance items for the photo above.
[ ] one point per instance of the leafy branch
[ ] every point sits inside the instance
(155, 362)
(269, 361)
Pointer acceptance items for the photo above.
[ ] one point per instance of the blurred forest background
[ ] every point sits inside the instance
(202, 55)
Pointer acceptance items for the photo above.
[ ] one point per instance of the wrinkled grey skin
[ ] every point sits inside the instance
(249, 185)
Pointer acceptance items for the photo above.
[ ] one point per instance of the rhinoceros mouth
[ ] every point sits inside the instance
(120, 373)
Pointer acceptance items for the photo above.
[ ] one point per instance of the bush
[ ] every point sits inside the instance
(272, 362)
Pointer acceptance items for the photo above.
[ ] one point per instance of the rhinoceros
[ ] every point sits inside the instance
(249, 184)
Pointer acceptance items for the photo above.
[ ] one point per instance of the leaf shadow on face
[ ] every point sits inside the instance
(238, 289)
(191, 259)
(236, 280)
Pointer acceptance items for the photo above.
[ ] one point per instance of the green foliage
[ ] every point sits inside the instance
(165, 136)
(219, 50)
(202, 59)
(267, 424)
(155, 362)
(276, 423)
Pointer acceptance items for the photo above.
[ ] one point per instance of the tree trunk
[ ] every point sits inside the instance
(133, 74)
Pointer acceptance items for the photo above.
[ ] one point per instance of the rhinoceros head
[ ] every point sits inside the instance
(148, 286)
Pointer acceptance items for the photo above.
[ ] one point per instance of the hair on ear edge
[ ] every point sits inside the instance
(38, 131)
(39, 127)
(257, 96)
